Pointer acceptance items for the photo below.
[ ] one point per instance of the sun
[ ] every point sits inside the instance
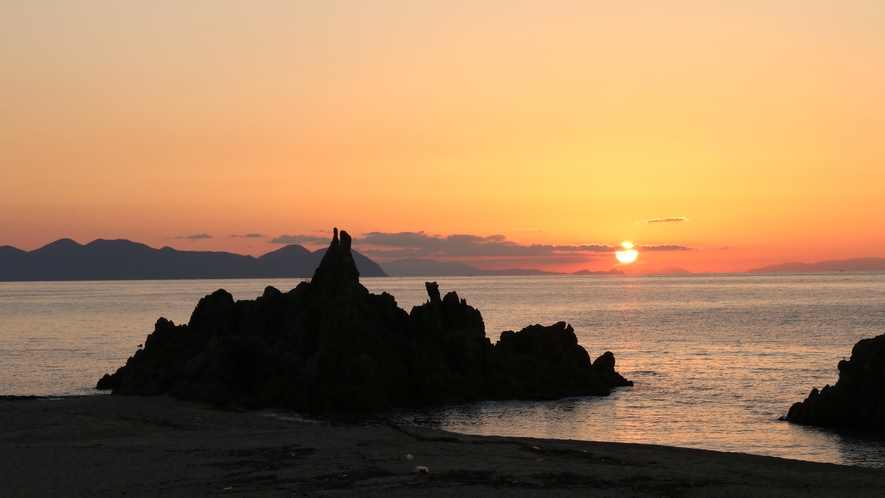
(628, 255)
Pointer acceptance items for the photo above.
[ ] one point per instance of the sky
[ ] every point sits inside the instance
(716, 136)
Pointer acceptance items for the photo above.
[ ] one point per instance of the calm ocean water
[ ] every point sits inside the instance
(716, 359)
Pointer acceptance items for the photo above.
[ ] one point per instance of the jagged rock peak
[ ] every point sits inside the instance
(337, 271)
(344, 240)
(433, 291)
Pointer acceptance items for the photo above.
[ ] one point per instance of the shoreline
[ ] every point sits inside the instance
(148, 446)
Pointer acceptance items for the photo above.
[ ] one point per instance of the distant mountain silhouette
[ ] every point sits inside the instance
(854, 264)
(613, 271)
(668, 270)
(101, 259)
(417, 267)
(520, 271)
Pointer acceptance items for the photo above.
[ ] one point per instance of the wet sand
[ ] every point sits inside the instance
(134, 446)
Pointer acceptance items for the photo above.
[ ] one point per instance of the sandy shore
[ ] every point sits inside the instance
(132, 446)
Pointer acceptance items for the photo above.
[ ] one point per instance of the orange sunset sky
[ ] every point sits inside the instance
(756, 129)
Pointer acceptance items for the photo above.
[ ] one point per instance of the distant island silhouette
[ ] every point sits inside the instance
(419, 267)
(854, 264)
(122, 259)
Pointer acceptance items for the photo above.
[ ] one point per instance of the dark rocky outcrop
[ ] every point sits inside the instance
(857, 400)
(329, 344)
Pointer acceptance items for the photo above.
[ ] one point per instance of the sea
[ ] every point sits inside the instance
(715, 359)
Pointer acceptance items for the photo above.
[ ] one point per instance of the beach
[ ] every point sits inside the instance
(159, 446)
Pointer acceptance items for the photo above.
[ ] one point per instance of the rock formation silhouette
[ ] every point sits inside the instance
(857, 400)
(330, 345)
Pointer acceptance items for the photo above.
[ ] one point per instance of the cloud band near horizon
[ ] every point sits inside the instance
(299, 239)
(672, 219)
(467, 247)
(460, 246)
(199, 236)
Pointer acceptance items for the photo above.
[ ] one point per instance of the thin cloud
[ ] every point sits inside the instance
(247, 236)
(465, 246)
(198, 236)
(663, 247)
(299, 239)
(673, 219)
(420, 244)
